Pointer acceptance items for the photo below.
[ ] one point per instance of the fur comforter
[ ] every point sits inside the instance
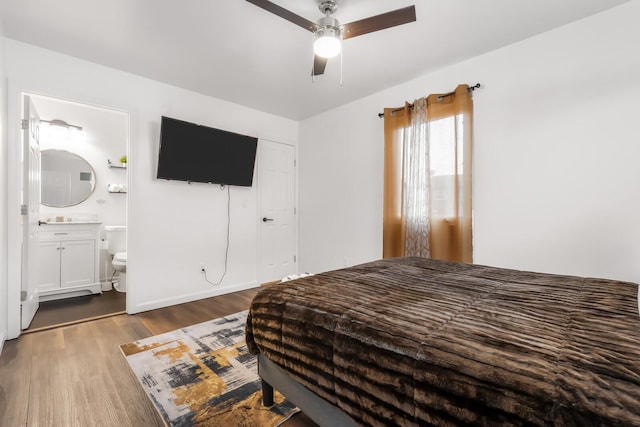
(412, 341)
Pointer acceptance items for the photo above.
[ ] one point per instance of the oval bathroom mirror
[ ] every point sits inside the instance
(66, 178)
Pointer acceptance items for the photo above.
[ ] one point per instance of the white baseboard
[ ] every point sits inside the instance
(3, 338)
(213, 292)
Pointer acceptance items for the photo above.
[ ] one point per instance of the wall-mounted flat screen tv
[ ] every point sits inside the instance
(195, 153)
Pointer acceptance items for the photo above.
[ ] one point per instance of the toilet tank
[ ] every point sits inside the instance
(116, 238)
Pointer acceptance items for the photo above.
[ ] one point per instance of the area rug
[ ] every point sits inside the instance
(203, 375)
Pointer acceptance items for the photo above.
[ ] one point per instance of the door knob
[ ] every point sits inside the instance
(265, 219)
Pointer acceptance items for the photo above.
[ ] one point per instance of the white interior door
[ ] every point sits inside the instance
(277, 208)
(29, 298)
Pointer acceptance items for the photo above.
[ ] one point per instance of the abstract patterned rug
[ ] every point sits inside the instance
(203, 375)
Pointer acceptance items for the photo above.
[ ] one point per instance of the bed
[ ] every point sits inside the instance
(414, 341)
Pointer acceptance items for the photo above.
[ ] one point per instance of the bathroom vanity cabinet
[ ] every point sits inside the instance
(68, 260)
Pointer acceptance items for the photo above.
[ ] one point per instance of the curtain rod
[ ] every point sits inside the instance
(470, 89)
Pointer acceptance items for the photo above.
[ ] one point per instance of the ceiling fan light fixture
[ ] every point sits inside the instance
(328, 38)
(327, 42)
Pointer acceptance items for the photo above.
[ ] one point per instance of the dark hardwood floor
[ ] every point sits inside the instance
(77, 309)
(76, 376)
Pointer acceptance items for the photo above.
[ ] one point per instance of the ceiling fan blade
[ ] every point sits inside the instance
(379, 22)
(284, 13)
(319, 64)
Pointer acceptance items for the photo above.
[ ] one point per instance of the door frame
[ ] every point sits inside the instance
(296, 222)
(16, 89)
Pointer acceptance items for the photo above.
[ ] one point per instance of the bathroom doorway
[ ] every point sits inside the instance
(84, 185)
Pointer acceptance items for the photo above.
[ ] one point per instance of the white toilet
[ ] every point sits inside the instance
(117, 246)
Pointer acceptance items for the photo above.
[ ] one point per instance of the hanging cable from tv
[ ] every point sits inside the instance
(226, 251)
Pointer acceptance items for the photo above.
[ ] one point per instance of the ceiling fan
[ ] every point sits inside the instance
(329, 33)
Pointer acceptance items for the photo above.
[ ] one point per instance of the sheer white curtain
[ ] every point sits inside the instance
(416, 190)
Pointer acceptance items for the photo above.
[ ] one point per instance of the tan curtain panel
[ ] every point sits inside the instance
(395, 123)
(447, 182)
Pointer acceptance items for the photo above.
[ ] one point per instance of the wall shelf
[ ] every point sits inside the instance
(116, 188)
(116, 166)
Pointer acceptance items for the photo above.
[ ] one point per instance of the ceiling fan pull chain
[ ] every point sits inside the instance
(341, 52)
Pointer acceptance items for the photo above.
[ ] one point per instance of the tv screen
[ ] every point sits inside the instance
(194, 153)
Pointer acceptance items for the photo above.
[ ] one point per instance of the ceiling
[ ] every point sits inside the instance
(235, 51)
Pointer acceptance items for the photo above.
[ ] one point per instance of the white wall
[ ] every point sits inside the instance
(3, 193)
(556, 181)
(174, 228)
